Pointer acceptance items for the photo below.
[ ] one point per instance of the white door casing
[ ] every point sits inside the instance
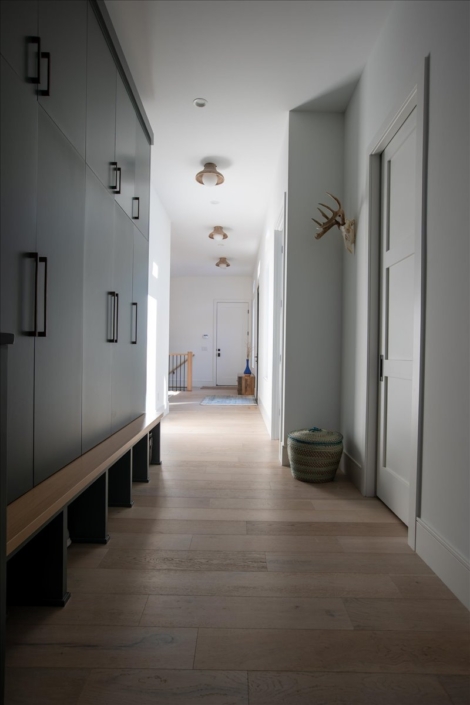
(395, 456)
(232, 336)
(417, 100)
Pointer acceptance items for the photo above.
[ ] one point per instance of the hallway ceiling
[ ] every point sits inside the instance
(253, 61)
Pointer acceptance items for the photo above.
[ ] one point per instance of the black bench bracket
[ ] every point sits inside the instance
(120, 482)
(88, 514)
(156, 459)
(37, 574)
(140, 460)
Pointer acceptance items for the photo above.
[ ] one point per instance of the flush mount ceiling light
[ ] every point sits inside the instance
(218, 233)
(222, 263)
(200, 102)
(209, 176)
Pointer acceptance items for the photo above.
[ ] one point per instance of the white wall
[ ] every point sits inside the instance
(413, 30)
(158, 306)
(313, 275)
(265, 280)
(192, 314)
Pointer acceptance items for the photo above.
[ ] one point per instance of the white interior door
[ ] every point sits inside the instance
(396, 327)
(232, 336)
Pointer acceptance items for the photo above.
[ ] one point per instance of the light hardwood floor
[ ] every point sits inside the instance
(230, 583)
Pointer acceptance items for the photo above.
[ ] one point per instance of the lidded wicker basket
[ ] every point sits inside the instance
(314, 454)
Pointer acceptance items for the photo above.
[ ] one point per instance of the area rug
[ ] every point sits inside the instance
(222, 400)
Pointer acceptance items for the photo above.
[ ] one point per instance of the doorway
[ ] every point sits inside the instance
(232, 337)
(398, 198)
(397, 245)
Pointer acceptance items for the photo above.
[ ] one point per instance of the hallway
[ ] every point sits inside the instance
(230, 583)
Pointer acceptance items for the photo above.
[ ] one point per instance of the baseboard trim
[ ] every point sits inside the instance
(448, 564)
(284, 456)
(199, 383)
(353, 470)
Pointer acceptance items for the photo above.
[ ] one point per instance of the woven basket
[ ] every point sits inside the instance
(314, 454)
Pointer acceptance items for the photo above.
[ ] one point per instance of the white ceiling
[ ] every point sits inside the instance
(253, 60)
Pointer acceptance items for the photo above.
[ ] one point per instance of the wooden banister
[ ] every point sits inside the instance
(177, 366)
(187, 359)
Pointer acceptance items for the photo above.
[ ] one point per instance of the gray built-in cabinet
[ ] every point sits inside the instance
(75, 171)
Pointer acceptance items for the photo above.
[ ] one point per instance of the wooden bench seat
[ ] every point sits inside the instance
(81, 487)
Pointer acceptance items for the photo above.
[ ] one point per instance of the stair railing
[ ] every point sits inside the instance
(180, 372)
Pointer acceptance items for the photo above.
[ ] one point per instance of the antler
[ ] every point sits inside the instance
(337, 217)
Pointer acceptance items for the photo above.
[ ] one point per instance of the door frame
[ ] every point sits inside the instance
(419, 99)
(255, 335)
(277, 396)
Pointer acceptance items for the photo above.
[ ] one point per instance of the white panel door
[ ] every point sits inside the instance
(396, 326)
(232, 336)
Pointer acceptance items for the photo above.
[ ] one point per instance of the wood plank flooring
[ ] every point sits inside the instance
(230, 583)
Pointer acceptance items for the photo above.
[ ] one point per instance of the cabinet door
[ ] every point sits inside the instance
(18, 173)
(142, 182)
(139, 322)
(63, 32)
(121, 384)
(58, 350)
(125, 147)
(97, 313)
(18, 26)
(101, 104)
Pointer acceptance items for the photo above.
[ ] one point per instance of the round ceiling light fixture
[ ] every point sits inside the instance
(218, 233)
(200, 102)
(209, 176)
(222, 263)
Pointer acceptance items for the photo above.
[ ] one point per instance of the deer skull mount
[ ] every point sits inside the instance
(347, 227)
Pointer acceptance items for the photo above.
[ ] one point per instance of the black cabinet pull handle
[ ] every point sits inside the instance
(36, 41)
(42, 333)
(136, 217)
(118, 180)
(381, 368)
(46, 91)
(113, 187)
(134, 342)
(112, 294)
(35, 256)
(116, 318)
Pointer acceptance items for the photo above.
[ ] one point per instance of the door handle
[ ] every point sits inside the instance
(112, 294)
(42, 333)
(113, 187)
(116, 187)
(381, 368)
(118, 175)
(134, 342)
(35, 256)
(116, 318)
(30, 41)
(136, 217)
(47, 90)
